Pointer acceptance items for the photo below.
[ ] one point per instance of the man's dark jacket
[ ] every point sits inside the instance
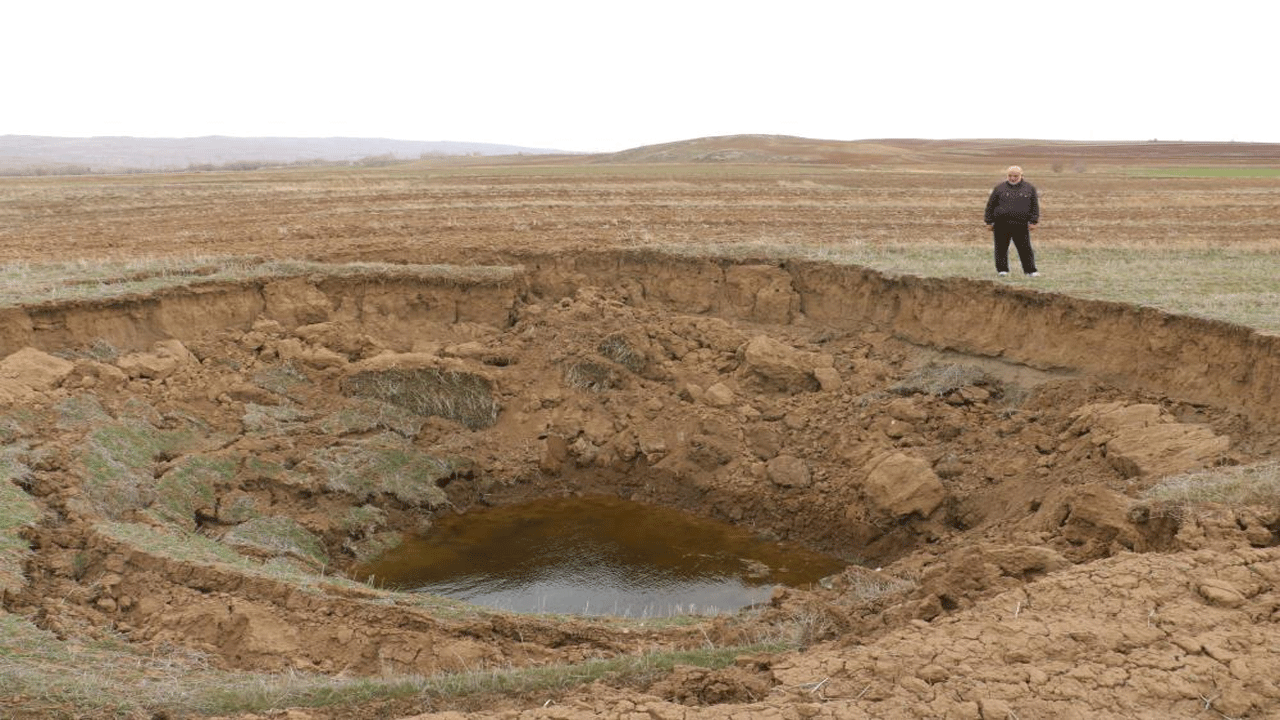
(1013, 204)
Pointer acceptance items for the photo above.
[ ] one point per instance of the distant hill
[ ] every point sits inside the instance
(113, 154)
(25, 154)
(906, 151)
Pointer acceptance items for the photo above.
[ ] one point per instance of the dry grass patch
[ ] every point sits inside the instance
(940, 379)
(1200, 492)
(619, 349)
(592, 376)
(869, 587)
(28, 283)
(461, 396)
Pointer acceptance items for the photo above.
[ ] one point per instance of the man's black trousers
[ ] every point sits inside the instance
(1020, 234)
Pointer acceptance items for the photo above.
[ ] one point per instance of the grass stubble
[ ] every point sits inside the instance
(1212, 491)
(51, 677)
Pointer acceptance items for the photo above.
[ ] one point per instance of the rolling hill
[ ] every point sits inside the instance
(113, 154)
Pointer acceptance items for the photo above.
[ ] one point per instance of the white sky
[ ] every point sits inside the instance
(601, 75)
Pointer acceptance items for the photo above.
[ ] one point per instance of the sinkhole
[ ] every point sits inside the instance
(595, 555)
(298, 429)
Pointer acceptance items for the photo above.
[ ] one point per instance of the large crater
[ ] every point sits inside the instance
(205, 464)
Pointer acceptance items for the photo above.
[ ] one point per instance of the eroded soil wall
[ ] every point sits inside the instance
(380, 305)
(1192, 359)
(1200, 361)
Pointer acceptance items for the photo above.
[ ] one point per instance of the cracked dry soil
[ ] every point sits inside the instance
(205, 464)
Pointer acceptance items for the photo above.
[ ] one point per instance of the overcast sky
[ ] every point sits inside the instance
(601, 76)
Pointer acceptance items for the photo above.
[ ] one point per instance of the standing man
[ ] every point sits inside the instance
(1012, 213)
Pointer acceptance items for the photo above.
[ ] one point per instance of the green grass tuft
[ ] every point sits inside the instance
(81, 412)
(189, 486)
(384, 464)
(363, 415)
(17, 510)
(278, 536)
(117, 458)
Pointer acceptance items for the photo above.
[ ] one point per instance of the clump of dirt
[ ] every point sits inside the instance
(208, 493)
(747, 682)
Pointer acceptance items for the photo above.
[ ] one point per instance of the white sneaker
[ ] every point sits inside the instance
(1034, 274)
(1002, 273)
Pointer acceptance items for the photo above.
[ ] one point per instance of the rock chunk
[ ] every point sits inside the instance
(164, 358)
(1142, 440)
(718, 395)
(779, 366)
(1221, 593)
(789, 471)
(30, 370)
(902, 485)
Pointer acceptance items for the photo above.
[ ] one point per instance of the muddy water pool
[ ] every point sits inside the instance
(595, 556)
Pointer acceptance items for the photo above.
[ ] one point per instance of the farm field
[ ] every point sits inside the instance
(1057, 497)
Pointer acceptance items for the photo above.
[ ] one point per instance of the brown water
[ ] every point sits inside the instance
(595, 556)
